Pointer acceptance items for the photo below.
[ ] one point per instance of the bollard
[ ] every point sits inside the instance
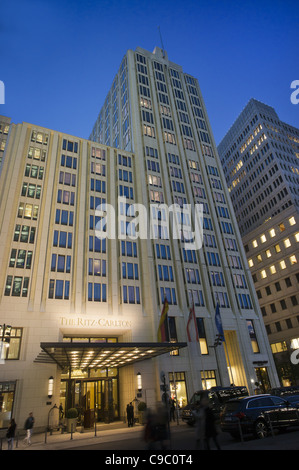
(72, 431)
(1, 443)
(17, 441)
(240, 430)
(45, 436)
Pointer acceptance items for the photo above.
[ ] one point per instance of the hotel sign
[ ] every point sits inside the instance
(94, 322)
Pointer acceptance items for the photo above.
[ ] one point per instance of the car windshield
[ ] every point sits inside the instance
(232, 406)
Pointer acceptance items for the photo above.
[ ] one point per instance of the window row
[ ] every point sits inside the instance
(97, 267)
(66, 197)
(28, 211)
(24, 234)
(62, 239)
(16, 286)
(61, 263)
(98, 185)
(59, 289)
(31, 190)
(20, 259)
(34, 171)
(64, 217)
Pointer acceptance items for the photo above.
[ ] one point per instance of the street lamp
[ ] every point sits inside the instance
(50, 386)
(139, 382)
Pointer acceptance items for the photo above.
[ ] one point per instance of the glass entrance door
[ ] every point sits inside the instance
(263, 378)
(99, 401)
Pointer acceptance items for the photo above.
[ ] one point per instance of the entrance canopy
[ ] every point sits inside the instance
(100, 355)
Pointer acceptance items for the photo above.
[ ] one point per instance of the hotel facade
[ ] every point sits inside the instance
(260, 155)
(80, 312)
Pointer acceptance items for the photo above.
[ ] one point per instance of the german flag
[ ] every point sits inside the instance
(163, 330)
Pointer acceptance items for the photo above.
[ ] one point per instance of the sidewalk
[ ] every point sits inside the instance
(58, 441)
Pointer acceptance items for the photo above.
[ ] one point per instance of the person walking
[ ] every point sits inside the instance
(200, 425)
(29, 423)
(210, 429)
(11, 434)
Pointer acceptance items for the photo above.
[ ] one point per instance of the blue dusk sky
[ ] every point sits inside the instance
(59, 57)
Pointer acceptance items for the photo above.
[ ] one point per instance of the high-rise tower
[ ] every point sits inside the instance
(260, 155)
(83, 311)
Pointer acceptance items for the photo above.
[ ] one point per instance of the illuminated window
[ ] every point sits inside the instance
(272, 269)
(268, 253)
(295, 343)
(263, 274)
(277, 248)
(282, 264)
(292, 220)
(254, 343)
(293, 259)
(250, 263)
(272, 232)
(254, 244)
(202, 336)
(287, 242)
(279, 347)
(263, 238)
(281, 227)
(297, 237)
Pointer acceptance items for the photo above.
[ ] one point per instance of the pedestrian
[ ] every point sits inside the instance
(149, 434)
(200, 425)
(11, 434)
(61, 412)
(210, 428)
(172, 409)
(130, 414)
(162, 431)
(29, 423)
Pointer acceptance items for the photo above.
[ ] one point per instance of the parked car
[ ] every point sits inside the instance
(257, 415)
(218, 396)
(285, 391)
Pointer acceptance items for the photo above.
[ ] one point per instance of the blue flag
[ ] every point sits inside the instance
(219, 323)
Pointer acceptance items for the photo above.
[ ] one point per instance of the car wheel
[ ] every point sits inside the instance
(260, 429)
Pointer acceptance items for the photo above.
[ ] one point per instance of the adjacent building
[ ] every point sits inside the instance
(260, 155)
(79, 310)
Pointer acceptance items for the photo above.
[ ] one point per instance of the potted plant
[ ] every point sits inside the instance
(141, 412)
(71, 416)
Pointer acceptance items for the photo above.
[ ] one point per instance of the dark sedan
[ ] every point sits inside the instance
(258, 415)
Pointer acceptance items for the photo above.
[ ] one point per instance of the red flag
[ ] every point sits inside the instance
(191, 318)
(163, 330)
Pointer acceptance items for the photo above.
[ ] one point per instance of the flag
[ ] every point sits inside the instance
(219, 323)
(191, 318)
(163, 330)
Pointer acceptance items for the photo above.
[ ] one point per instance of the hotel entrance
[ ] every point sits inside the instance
(96, 399)
(89, 373)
